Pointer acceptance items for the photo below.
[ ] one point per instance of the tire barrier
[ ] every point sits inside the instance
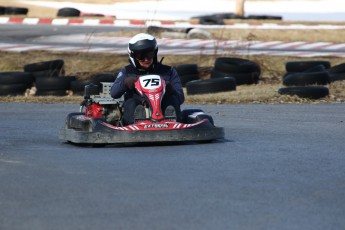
(311, 92)
(337, 72)
(211, 86)
(47, 78)
(77, 86)
(218, 19)
(189, 33)
(187, 73)
(15, 83)
(243, 70)
(300, 66)
(53, 68)
(13, 10)
(264, 17)
(55, 86)
(306, 79)
(68, 12)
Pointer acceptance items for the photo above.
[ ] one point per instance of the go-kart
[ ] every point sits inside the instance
(100, 119)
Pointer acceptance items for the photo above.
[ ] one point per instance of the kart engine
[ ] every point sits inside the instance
(102, 105)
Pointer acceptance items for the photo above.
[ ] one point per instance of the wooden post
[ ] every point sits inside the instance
(239, 10)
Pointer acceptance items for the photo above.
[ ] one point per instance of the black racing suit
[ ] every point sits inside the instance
(132, 99)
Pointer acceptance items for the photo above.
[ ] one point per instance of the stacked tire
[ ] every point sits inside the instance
(226, 74)
(306, 79)
(337, 72)
(79, 84)
(211, 86)
(68, 12)
(49, 78)
(187, 73)
(13, 10)
(218, 19)
(243, 70)
(15, 83)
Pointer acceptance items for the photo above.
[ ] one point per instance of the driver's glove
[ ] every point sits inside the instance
(129, 82)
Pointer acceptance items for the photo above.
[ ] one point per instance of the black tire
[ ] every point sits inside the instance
(337, 77)
(227, 16)
(305, 78)
(68, 12)
(187, 78)
(58, 92)
(211, 86)
(157, 29)
(211, 20)
(54, 83)
(103, 77)
(311, 92)
(187, 73)
(47, 73)
(300, 66)
(236, 65)
(337, 69)
(16, 78)
(16, 10)
(264, 17)
(78, 86)
(317, 68)
(241, 78)
(13, 89)
(45, 65)
(187, 69)
(2, 10)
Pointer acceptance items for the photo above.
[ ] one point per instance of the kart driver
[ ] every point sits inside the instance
(142, 51)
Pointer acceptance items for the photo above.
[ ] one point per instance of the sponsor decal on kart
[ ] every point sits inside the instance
(153, 126)
(83, 117)
(157, 126)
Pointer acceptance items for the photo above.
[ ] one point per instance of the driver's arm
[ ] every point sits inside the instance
(176, 84)
(119, 88)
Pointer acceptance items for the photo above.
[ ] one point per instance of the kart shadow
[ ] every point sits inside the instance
(150, 144)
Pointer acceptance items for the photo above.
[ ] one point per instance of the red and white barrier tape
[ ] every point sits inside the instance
(195, 47)
(144, 23)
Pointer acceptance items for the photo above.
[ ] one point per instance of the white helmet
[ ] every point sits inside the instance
(140, 46)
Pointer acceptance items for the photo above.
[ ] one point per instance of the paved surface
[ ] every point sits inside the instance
(280, 167)
(19, 38)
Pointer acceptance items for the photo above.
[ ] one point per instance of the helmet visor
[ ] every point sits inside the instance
(148, 55)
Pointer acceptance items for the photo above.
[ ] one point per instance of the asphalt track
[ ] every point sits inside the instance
(21, 38)
(279, 167)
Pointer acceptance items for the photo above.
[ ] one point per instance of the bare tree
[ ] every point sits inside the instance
(239, 10)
